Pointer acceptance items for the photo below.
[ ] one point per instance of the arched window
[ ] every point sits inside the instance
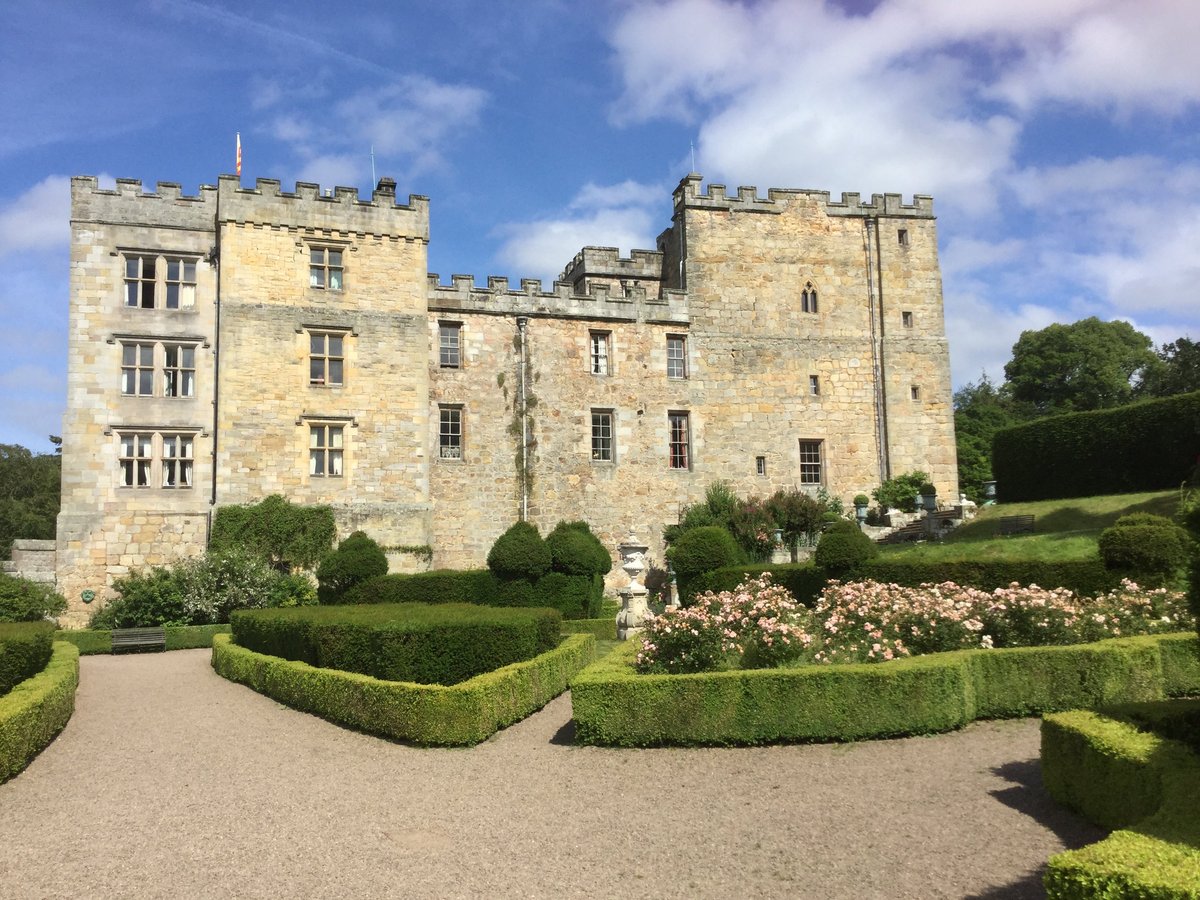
(808, 298)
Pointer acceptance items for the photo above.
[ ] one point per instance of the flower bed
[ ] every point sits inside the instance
(1141, 784)
(614, 705)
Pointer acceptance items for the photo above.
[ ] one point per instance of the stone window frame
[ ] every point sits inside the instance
(760, 466)
(326, 447)
(324, 273)
(155, 457)
(450, 355)
(679, 440)
(600, 356)
(163, 375)
(808, 299)
(179, 380)
(812, 462)
(161, 279)
(677, 366)
(814, 385)
(323, 356)
(914, 393)
(906, 318)
(451, 417)
(137, 371)
(902, 237)
(604, 435)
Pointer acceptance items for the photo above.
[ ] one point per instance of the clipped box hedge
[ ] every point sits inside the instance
(25, 649)
(178, 637)
(1141, 447)
(429, 644)
(604, 629)
(1122, 778)
(463, 714)
(803, 580)
(575, 596)
(34, 711)
(614, 705)
(1087, 577)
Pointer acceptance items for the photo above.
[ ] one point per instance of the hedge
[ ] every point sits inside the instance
(440, 644)
(36, 710)
(464, 714)
(604, 629)
(1142, 447)
(1120, 777)
(615, 706)
(1087, 577)
(179, 637)
(575, 596)
(25, 649)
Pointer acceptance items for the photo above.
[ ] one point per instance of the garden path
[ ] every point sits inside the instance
(171, 782)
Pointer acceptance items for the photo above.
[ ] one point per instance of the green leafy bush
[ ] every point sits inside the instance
(281, 532)
(25, 649)
(22, 600)
(356, 559)
(901, 492)
(152, 597)
(519, 553)
(1141, 447)
(574, 550)
(842, 548)
(1143, 549)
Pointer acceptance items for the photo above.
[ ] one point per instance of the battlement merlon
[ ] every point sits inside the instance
(599, 303)
(687, 195)
(129, 204)
(640, 265)
(337, 210)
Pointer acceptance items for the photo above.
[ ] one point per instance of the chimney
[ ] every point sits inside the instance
(386, 187)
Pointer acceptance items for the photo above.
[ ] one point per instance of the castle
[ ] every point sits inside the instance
(250, 341)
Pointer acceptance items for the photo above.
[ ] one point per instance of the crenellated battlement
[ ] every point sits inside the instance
(600, 302)
(607, 262)
(129, 203)
(688, 195)
(339, 209)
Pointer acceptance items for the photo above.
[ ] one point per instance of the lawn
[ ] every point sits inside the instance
(1065, 529)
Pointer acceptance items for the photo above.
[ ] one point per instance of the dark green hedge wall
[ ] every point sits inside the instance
(414, 642)
(25, 649)
(1087, 577)
(574, 596)
(1143, 447)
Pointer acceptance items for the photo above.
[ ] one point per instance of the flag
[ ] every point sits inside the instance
(239, 154)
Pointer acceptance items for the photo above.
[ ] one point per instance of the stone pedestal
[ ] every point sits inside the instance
(634, 608)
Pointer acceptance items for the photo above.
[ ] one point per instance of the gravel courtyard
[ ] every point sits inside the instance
(171, 782)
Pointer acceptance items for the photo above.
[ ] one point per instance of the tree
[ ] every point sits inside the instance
(1086, 365)
(1176, 370)
(980, 410)
(29, 495)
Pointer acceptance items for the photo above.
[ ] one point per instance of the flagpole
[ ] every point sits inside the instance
(239, 155)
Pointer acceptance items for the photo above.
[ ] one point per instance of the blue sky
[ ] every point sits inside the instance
(1059, 138)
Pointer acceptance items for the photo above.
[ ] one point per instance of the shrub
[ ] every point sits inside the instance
(1150, 552)
(1141, 447)
(1084, 576)
(37, 709)
(701, 550)
(804, 581)
(574, 550)
(356, 559)
(519, 553)
(22, 600)
(842, 548)
(25, 649)
(153, 597)
(575, 596)
(798, 515)
(215, 585)
(901, 492)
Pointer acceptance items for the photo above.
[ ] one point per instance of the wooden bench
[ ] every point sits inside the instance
(1015, 525)
(138, 639)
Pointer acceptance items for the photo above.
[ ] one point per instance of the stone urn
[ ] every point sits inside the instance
(634, 607)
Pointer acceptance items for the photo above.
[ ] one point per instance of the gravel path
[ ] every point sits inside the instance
(171, 782)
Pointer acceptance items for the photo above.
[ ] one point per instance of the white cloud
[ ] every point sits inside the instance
(38, 219)
(620, 215)
(982, 334)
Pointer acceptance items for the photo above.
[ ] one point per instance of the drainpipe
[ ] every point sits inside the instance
(522, 322)
(876, 364)
(887, 443)
(215, 258)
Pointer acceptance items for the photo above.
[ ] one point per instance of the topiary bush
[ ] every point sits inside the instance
(22, 600)
(842, 548)
(701, 550)
(519, 553)
(574, 550)
(356, 559)
(1147, 549)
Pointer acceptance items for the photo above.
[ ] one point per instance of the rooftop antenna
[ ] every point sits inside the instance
(693, 146)
(373, 180)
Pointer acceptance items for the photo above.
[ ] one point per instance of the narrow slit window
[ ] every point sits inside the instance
(760, 465)
(902, 237)
(814, 385)
(808, 299)
(915, 392)
(906, 318)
